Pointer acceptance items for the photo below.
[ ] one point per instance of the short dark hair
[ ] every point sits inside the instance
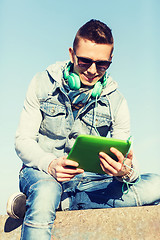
(96, 31)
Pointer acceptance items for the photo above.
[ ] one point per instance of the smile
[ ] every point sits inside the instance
(89, 79)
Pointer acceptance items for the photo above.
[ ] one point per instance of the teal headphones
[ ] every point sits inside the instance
(75, 83)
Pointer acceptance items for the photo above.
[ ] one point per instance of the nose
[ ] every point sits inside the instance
(92, 69)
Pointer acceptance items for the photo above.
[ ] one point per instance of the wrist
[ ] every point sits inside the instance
(128, 175)
(51, 167)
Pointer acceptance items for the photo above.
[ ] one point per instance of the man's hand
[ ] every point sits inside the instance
(64, 169)
(113, 168)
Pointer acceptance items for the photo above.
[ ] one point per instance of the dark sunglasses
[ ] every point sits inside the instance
(87, 62)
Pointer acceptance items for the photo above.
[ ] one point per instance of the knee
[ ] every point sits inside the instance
(42, 202)
(151, 179)
(148, 188)
(45, 193)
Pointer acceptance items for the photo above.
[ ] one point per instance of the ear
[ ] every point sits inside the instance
(111, 57)
(111, 54)
(71, 54)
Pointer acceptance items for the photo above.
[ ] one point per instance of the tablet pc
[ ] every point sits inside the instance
(86, 149)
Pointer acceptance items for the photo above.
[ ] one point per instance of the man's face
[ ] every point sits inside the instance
(90, 50)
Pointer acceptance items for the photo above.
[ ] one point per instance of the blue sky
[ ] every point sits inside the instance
(35, 34)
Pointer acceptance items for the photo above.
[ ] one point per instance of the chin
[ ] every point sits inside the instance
(88, 83)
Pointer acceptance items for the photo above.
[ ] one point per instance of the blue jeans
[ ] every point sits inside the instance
(85, 191)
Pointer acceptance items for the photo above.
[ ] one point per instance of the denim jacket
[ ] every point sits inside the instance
(47, 128)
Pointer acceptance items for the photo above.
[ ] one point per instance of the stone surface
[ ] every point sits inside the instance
(137, 223)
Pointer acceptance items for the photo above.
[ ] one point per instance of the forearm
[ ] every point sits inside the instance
(26, 142)
(32, 154)
(121, 130)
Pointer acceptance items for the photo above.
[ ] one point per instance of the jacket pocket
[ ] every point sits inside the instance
(52, 109)
(99, 118)
(53, 122)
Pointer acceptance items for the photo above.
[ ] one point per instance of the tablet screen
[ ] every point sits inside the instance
(86, 149)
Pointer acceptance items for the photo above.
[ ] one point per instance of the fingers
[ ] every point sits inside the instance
(63, 176)
(108, 165)
(113, 168)
(67, 176)
(68, 166)
(69, 171)
(130, 154)
(66, 162)
(64, 169)
(118, 154)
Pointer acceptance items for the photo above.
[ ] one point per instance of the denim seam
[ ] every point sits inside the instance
(138, 202)
(22, 176)
(46, 181)
(38, 225)
(95, 182)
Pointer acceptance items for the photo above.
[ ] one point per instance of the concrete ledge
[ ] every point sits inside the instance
(137, 223)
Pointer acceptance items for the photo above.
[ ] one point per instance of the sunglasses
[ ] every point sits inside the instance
(87, 62)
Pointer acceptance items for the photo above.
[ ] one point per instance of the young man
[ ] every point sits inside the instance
(68, 99)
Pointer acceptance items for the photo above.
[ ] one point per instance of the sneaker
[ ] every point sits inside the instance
(16, 205)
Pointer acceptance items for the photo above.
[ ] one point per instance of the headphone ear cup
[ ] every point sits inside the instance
(66, 73)
(74, 81)
(105, 79)
(97, 89)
